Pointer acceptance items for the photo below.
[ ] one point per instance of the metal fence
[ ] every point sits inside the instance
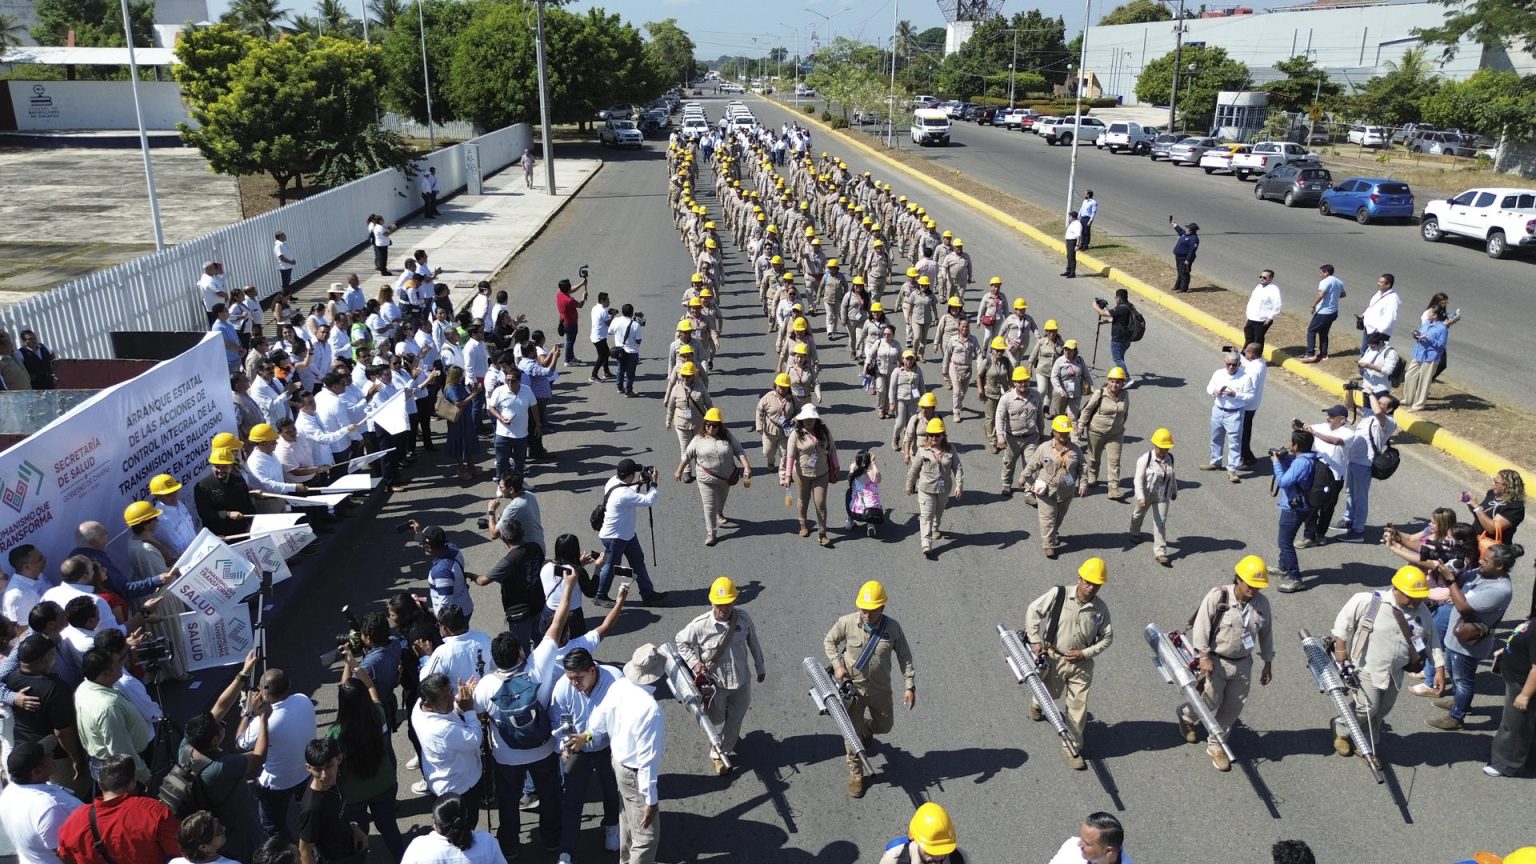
(157, 292)
(454, 130)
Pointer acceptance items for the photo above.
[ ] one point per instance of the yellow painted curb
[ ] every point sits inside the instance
(1431, 433)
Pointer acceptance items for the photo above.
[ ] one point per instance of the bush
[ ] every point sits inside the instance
(810, 109)
(826, 116)
(839, 122)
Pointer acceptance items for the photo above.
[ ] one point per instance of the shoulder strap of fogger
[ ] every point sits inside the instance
(1056, 605)
(1363, 630)
(725, 642)
(1402, 627)
(869, 650)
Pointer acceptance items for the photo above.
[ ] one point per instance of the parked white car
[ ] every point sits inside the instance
(1220, 159)
(1132, 137)
(1369, 136)
(1087, 128)
(930, 126)
(1501, 218)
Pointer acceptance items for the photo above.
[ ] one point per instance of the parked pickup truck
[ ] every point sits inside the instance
(1501, 218)
(1267, 154)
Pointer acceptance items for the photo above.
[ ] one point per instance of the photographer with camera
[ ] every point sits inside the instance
(371, 649)
(569, 309)
(631, 488)
(521, 507)
(627, 329)
(1293, 471)
(1120, 318)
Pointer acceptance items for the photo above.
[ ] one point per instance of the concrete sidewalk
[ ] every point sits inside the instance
(473, 237)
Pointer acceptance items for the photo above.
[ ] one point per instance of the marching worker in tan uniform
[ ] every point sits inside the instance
(1070, 379)
(715, 645)
(911, 436)
(853, 313)
(715, 451)
(1232, 621)
(1052, 473)
(775, 418)
(878, 270)
(882, 357)
(993, 378)
(1042, 358)
(930, 840)
(955, 271)
(860, 646)
(993, 308)
(1104, 416)
(803, 372)
(921, 312)
(1154, 484)
(1072, 625)
(809, 458)
(685, 404)
(833, 286)
(906, 387)
(1384, 635)
(1017, 330)
(945, 330)
(935, 476)
(960, 355)
(1018, 428)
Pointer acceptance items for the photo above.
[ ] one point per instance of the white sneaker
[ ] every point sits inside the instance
(565, 858)
(1492, 771)
(414, 764)
(419, 787)
(1423, 690)
(611, 838)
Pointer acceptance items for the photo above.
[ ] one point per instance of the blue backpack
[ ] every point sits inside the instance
(520, 719)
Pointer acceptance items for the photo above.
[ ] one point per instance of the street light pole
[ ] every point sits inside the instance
(1178, 58)
(826, 20)
(426, 78)
(1013, 67)
(138, 114)
(890, 101)
(1077, 119)
(548, 142)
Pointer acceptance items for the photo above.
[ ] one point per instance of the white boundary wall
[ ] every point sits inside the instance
(158, 291)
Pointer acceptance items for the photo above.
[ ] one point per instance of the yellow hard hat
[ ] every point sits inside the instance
(705, 292)
(1020, 373)
(959, 244)
(722, 591)
(909, 354)
(713, 415)
(878, 243)
(815, 241)
(934, 427)
(866, 220)
(842, 199)
(876, 227)
(954, 302)
(871, 596)
(809, 231)
(684, 350)
(788, 276)
(932, 831)
(688, 368)
(800, 347)
(928, 400)
(901, 199)
(163, 484)
(999, 343)
(697, 278)
(224, 441)
(924, 280)
(911, 272)
(140, 512)
(685, 326)
(695, 302)
(995, 280)
(781, 379)
(833, 262)
(263, 433)
(1018, 303)
(773, 229)
(1252, 570)
(1410, 580)
(948, 234)
(877, 306)
(709, 226)
(710, 243)
(1116, 374)
(1093, 570)
(1071, 345)
(1523, 855)
(1162, 438)
(801, 325)
(777, 259)
(1050, 324)
(858, 280)
(221, 456)
(1061, 423)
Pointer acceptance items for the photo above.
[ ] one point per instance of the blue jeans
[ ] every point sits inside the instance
(1317, 332)
(1441, 615)
(1290, 523)
(593, 763)
(1357, 501)
(628, 360)
(1226, 427)
(634, 556)
(381, 809)
(509, 790)
(511, 454)
(1463, 675)
(570, 343)
(1117, 354)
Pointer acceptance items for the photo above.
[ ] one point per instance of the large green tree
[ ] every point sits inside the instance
(671, 51)
(1213, 72)
(1137, 12)
(96, 23)
(1303, 86)
(1397, 96)
(1502, 104)
(1492, 23)
(404, 88)
(286, 107)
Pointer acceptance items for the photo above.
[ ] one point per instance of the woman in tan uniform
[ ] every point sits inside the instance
(810, 463)
(935, 475)
(854, 312)
(685, 404)
(799, 334)
(803, 374)
(884, 357)
(945, 330)
(775, 416)
(1043, 357)
(960, 355)
(715, 452)
(1104, 415)
(906, 387)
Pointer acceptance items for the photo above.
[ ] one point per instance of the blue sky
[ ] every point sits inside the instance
(728, 26)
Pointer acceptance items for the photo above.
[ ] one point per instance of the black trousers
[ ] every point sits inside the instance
(1087, 232)
(1183, 265)
(1317, 526)
(601, 363)
(1253, 331)
(1247, 437)
(1071, 257)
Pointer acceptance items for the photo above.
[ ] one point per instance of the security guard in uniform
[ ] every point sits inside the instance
(715, 645)
(1232, 621)
(930, 840)
(859, 646)
(1073, 625)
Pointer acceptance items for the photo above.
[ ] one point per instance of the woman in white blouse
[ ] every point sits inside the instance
(452, 840)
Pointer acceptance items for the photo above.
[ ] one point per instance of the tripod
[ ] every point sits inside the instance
(484, 794)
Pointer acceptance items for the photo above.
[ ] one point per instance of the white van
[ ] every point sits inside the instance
(1133, 137)
(930, 126)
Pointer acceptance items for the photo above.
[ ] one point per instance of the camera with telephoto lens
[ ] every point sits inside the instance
(640, 318)
(353, 638)
(1101, 302)
(1279, 452)
(153, 650)
(483, 523)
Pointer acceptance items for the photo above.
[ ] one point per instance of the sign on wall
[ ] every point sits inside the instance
(51, 105)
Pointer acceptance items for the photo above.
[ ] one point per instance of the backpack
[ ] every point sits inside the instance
(521, 720)
(1399, 371)
(601, 511)
(183, 791)
(1136, 327)
(1320, 485)
(1384, 461)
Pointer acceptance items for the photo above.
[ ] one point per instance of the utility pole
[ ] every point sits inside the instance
(1077, 111)
(426, 77)
(1178, 58)
(1014, 66)
(890, 102)
(547, 139)
(138, 113)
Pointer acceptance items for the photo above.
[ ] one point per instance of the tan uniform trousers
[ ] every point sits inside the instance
(921, 339)
(961, 378)
(684, 435)
(1053, 511)
(637, 845)
(773, 449)
(1101, 444)
(881, 714)
(1158, 507)
(882, 390)
(1372, 705)
(1017, 453)
(1061, 403)
(930, 515)
(712, 494)
(1226, 691)
(1073, 680)
(813, 490)
(728, 710)
(988, 418)
(904, 410)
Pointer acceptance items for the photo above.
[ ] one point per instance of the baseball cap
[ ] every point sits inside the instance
(434, 536)
(1336, 411)
(628, 466)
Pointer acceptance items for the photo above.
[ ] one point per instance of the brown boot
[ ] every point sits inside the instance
(855, 785)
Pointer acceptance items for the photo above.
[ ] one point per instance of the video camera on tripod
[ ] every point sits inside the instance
(350, 641)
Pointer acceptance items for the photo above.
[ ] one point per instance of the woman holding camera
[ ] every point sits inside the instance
(715, 452)
(810, 463)
(1443, 540)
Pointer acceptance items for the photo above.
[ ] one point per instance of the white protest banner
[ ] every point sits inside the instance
(364, 461)
(98, 458)
(352, 483)
(268, 523)
(214, 581)
(326, 501)
(291, 541)
(217, 640)
(391, 415)
(267, 557)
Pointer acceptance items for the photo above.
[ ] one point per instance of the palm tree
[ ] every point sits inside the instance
(906, 40)
(1413, 68)
(335, 18)
(305, 24)
(10, 33)
(386, 11)
(257, 17)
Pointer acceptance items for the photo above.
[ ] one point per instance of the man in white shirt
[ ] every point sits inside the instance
(1371, 437)
(1263, 306)
(1380, 314)
(511, 404)
(310, 426)
(1086, 213)
(285, 261)
(1230, 388)
(31, 809)
(1257, 370)
(1073, 236)
(1100, 841)
(451, 352)
(265, 471)
(601, 316)
(333, 415)
(477, 361)
(623, 495)
(627, 329)
(25, 588)
(450, 741)
(429, 191)
(464, 652)
(271, 395)
(579, 695)
(210, 287)
(78, 575)
(1331, 441)
(1377, 363)
(290, 728)
(633, 724)
(178, 524)
(300, 458)
(479, 306)
(353, 294)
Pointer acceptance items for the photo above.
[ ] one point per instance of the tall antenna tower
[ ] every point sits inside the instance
(961, 17)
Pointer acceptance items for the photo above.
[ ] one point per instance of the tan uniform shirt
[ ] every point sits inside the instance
(685, 405)
(773, 410)
(1155, 476)
(700, 641)
(716, 457)
(846, 641)
(1043, 356)
(1105, 414)
(1059, 469)
(1233, 632)
(1386, 652)
(995, 376)
(935, 472)
(1083, 626)
(1018, 416)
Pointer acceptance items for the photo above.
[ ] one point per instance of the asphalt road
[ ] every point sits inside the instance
(1242, 236)
(968, 744)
